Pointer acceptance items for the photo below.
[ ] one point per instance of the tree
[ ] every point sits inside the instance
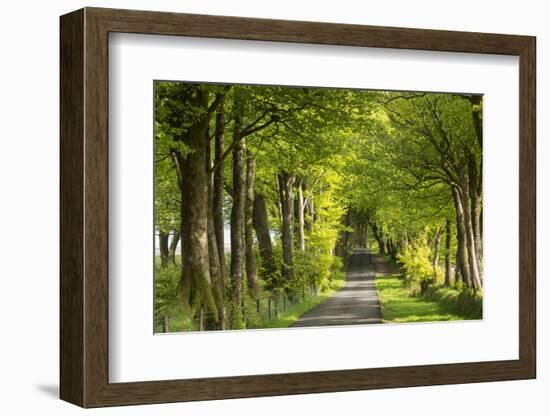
(237, 225)
(438, 145)
(250, 253)
(183, 117)
(302, 176)
(447, 252)
(286, 195)
(218, 181)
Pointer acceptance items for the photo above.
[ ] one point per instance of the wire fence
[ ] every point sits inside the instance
(270, 307)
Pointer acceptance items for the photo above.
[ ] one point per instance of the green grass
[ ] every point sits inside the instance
(179, 322)
(398, 306)
(293, 312)
(465, 302)
(182, 322)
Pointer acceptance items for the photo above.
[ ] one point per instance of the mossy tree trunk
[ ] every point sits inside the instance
(163, 248)
(250, 253)
(447, 252)
(195, 282)
(216, 275)
(218, 185)
(286, 196)
(462, 253)
(261, 226)
(237, 227)
(300, 216)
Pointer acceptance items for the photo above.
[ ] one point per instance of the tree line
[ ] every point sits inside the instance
(302, 175)
(420, 178)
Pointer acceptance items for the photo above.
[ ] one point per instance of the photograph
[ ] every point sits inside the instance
(292, 207)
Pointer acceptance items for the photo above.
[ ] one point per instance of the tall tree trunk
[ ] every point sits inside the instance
(476, 182)
(469, 234)
(477, 117)
(437, 246)
(461, 255)
(300, 217)
(214, 259)
(237, 227)
(309, 213)
(286, 196)
(163, 248)
(173, 246)
(475, 195)
(447, 252)
(475, 189)
(185, 285)
(216, 276)
(195, 282)
(218, 193)
(310, 204)
(317, 213)
(476, 228)
(250, 254)
(261, 225)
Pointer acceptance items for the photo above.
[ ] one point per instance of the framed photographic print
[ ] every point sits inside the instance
(255, 207)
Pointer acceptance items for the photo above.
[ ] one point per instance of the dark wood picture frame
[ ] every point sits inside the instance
(84, 207)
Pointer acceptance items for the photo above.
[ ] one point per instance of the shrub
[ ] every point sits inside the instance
(316, 268)
(166, 283)
(166, 303)
(420, 272)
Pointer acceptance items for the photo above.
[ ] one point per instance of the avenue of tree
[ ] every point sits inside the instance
(300, 176)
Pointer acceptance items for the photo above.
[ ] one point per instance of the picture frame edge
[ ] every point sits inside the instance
(84, 221)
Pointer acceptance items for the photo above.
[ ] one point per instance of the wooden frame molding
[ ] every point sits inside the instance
(84, 207)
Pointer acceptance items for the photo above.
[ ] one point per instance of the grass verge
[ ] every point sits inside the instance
(398, 306)
(181, 320)
(465, 303)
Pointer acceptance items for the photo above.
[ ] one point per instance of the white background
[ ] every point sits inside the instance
(29, 220)
(136, 355)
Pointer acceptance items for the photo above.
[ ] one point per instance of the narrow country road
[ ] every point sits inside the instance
(356, 303)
